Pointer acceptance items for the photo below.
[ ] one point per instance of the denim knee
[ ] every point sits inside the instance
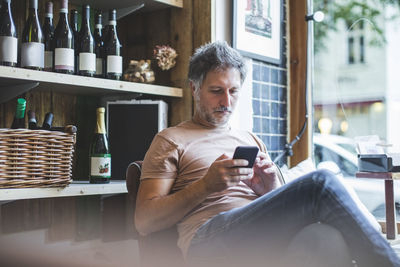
(320, 178)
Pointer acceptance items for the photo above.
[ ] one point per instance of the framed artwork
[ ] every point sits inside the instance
(257, 31)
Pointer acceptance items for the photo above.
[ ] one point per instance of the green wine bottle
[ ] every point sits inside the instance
(19, 118)
(100, 157)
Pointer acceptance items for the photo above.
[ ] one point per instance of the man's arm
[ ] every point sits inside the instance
(156, 209)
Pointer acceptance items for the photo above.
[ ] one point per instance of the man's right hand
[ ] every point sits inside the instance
(225, 172)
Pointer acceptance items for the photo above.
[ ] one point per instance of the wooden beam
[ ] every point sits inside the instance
(182, 31)
(297, 81)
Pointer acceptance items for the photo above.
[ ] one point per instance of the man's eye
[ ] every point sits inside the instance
(234, 92)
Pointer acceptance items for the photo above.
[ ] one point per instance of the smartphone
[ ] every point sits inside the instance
(248, 153)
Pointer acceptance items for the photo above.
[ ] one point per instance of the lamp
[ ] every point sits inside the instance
(317, 16)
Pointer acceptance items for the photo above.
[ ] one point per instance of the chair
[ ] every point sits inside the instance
(156, 249)
(315, 245)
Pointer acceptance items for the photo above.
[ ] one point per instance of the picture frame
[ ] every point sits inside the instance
(257, 29)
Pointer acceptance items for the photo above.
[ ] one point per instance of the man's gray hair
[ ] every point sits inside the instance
(214, 56)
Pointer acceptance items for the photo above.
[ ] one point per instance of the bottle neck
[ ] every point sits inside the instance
(6, 7)
(20, 112)
(33, 14)
(64, 15)
(100, 125)
(112, 24)
(85, 23)
(48, 19)
(33, 11)
(74, 21)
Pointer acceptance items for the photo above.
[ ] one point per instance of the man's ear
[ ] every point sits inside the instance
(192, 87)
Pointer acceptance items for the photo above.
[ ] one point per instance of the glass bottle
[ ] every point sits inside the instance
(8, 36)
(100, 157)
(32, 43)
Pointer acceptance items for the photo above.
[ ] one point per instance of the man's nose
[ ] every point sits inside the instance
(225, 100)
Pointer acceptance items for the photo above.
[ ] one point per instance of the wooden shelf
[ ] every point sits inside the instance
(149, 5)
(76, 188)
(74, 84)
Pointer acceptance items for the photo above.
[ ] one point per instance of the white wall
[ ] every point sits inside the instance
(222, 31)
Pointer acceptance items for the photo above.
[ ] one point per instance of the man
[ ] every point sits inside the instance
(224, 211)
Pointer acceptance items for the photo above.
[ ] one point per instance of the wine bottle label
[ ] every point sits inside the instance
(87, 61)
(100, 165)
(32, 54)
(64, 59)
(48, 60)
(99, 66)
(8, 49)
(114, 64)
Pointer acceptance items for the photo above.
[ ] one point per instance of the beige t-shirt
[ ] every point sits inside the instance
(184, 153)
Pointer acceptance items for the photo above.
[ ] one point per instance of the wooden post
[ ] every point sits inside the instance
(297, 85)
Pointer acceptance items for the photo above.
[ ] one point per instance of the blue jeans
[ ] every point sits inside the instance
(259, 233)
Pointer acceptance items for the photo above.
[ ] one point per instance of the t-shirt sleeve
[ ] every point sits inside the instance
(161, 159)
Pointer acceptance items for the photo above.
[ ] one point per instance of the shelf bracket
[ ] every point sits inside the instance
(8, 92)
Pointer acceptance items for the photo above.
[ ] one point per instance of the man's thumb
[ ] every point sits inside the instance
(223, 156)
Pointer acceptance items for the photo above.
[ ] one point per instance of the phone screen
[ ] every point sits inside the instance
(248, 153)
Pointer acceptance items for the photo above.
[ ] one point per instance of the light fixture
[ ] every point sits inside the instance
(325, 125)
(317, 16)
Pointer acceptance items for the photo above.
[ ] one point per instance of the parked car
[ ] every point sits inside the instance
(339, 152)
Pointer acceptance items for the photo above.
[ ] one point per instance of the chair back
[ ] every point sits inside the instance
(159, 248)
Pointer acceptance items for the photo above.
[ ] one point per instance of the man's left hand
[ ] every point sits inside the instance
(265, 177)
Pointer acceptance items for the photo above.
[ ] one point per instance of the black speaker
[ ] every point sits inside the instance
(131, 126)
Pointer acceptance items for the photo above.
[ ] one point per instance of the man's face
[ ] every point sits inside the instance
(217, 97)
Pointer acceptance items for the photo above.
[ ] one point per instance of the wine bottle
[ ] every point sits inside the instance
(74, 28)
(99, 46)
(32, 46)
(19, 117)
(100, 157)
(64, 43)
(113, 49)
(48, 121)
(32, 122)
(8, 36)
(86, 46)
(48, 33)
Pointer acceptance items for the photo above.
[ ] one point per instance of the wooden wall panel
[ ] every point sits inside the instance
(182, 31)
(297, 83)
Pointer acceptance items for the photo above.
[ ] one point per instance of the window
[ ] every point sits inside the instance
(355, 40)
(356, 82)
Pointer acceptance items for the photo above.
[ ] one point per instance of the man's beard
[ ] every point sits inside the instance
(212, 118)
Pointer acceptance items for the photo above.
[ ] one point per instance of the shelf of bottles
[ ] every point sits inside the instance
(49, 55)
(77, 188)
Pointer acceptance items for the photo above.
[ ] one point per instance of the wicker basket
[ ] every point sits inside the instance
(35, 158)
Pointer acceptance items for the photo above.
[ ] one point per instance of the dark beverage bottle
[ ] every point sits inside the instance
(100, 157)
(19, 118)
(48, 121)
(112, 47)
(32, 46)
(32, 122)
(99, 46)
(64, 59)
(73, 22)
(8, 36)
(48, 33)
(86, 46)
